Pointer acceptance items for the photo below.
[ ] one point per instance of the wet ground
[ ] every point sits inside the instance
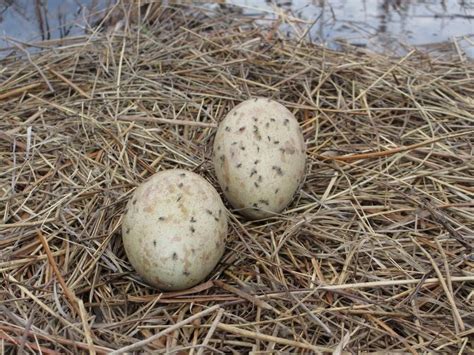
(382, 25)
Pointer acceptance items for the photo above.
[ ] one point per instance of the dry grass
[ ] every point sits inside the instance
(374, 253)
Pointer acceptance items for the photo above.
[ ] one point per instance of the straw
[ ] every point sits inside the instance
(373, 254)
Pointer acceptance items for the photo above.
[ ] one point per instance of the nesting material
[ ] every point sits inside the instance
(259, 157)
(374, 253)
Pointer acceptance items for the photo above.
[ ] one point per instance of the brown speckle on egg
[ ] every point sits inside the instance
(278, 170)
(256, 133)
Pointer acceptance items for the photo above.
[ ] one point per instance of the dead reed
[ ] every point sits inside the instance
(374, 253)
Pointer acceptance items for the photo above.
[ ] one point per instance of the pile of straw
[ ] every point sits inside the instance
(373, 254)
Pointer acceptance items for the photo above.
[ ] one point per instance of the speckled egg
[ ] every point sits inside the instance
(259, 157)
(174, 229)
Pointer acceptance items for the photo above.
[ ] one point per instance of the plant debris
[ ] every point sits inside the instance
(373, 254)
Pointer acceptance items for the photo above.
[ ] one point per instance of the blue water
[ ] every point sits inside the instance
(37, 20)
(381, 25)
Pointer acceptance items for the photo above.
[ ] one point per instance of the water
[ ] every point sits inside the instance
(382, 25)
(39, 20)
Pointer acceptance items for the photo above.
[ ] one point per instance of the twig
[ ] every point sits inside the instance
(445, 287)
(211, 331)
(4, 336)
(85, 325)
(371, 284)
(170, 329)
(70, 83)
(254, 335)
(19, 91)
(69, 294)
(246, 296)
(392, 151)
(167, 121)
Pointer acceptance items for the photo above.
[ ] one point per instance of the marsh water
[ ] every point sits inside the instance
(381, 25)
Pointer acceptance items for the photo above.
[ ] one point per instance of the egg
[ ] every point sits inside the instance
(259, 157)
(174, 229)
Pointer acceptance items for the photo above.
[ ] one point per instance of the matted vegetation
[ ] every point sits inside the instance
(373, 254)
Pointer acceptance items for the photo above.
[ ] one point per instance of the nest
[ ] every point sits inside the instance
(373, 254)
